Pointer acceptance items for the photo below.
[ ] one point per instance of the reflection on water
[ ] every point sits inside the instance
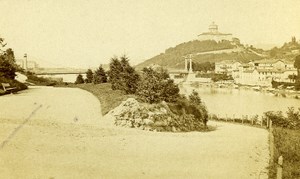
(238, 102)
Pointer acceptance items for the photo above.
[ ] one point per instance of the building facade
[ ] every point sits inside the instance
(214, 34)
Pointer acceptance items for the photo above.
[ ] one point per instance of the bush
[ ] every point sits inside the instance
(292, 121)
(79, 79)
(155, 86)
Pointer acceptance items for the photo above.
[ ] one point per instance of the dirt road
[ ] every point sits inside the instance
(60, 133)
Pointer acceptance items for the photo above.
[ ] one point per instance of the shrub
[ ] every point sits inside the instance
(79, 79)
(155, 86)
(292, 121)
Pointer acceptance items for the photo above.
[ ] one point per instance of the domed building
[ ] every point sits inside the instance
(214, 34)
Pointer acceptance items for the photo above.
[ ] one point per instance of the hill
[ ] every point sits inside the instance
(288, 50)
(202, 51)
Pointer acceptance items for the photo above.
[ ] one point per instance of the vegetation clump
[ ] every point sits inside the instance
(8, 69)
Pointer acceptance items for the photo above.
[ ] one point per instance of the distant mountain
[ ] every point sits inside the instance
(203, 51)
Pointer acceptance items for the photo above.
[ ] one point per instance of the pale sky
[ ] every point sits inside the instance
(86, 33)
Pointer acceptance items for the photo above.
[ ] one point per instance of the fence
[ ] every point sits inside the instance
(243, 119)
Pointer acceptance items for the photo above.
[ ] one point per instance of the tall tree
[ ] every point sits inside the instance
(100, 76)
(115, 69)
(89, 76)
(129, 77)
(297, 65)
(79, 79)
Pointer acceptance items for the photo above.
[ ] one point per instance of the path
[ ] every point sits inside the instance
(66, 137)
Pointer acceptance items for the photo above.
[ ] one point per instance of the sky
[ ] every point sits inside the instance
(87, 33)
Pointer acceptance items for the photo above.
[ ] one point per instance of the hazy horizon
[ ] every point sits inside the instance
(86, 33)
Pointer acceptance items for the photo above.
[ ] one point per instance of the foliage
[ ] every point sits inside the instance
(184, 106)
(195, 98)
(7, 64)
(156, 86)
(297, 65)
(89, 76)
(174, 57)
(292, 121)
(287, 144)
(220, 77)
(99, 76)
(204, 66)
(79, 79)
(122, 76)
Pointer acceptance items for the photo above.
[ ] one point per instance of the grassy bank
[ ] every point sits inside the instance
(287, 144)
(109, 98)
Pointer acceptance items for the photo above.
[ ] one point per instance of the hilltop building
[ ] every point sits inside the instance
(214, 34)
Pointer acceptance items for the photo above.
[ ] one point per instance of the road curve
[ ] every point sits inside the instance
(50, 132)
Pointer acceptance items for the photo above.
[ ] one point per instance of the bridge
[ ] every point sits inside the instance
(57, 71)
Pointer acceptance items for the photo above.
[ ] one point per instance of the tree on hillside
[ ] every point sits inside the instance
(79, 79)
(156, 86)
(297, 65)
(89, 76)
(99, 76)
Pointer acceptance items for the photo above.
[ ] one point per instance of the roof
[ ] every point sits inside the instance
(211, 33)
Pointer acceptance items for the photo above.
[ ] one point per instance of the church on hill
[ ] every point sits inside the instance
(214, 34)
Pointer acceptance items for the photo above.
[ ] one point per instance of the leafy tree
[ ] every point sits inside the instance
(79, 79)
(89, 76)
(156, 86)
(297, 65)
(99, 76)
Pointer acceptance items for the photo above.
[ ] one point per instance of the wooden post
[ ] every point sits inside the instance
(270, 125)
(279, 168)
(267, 122)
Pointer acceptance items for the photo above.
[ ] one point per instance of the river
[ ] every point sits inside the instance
(69, 78)
(238, 102)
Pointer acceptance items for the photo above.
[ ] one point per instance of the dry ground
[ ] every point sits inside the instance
(59, 133)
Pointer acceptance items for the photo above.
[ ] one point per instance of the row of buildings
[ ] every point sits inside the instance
(260, 72)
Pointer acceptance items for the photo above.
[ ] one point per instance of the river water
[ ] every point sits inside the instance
(238, 102)
(69, 78)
